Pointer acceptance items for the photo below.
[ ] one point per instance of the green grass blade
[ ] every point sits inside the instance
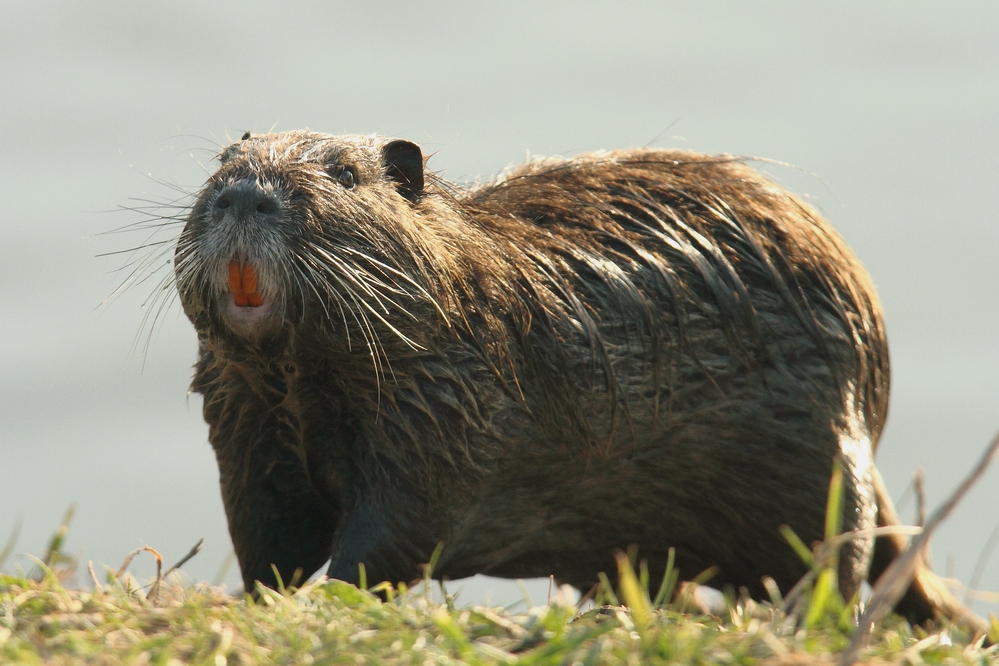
(8, 547)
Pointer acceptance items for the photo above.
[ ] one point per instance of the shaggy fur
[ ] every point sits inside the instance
(650, 348)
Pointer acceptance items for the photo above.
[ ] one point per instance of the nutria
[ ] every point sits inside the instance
(642, 348)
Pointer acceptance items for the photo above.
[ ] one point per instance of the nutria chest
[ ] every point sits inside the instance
(641, 348)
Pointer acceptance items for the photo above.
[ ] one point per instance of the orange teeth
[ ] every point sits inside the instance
(243, 284)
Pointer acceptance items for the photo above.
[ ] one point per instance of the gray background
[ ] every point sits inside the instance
(889, 113)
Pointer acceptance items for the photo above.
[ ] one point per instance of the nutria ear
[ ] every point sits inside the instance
(404, 164)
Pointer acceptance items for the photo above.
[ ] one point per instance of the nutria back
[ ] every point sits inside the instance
(636, 348)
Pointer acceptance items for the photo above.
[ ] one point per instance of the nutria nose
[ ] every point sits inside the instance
(244, 198)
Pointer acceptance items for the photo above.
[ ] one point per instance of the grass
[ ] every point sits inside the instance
(331, 622)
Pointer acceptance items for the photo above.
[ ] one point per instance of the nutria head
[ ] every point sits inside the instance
(302, 222)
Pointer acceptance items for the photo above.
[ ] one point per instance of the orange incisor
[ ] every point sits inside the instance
(243, 283)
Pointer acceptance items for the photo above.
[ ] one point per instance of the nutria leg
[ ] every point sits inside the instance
(392, 541)
(275, 516)
(362, 533)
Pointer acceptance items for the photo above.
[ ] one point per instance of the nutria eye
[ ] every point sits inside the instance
(347, 178)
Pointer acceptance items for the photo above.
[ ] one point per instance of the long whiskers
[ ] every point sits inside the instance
(145, 261)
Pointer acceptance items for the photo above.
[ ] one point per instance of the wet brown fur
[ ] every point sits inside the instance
(645, 347)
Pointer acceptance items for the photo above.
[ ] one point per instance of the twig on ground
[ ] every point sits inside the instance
(195, 549)
(155, 589)
(896, 578)
(839, 541)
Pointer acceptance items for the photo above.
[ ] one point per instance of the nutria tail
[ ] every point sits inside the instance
(927, 597)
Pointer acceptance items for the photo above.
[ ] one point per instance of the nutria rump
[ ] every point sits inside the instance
(636, 348)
